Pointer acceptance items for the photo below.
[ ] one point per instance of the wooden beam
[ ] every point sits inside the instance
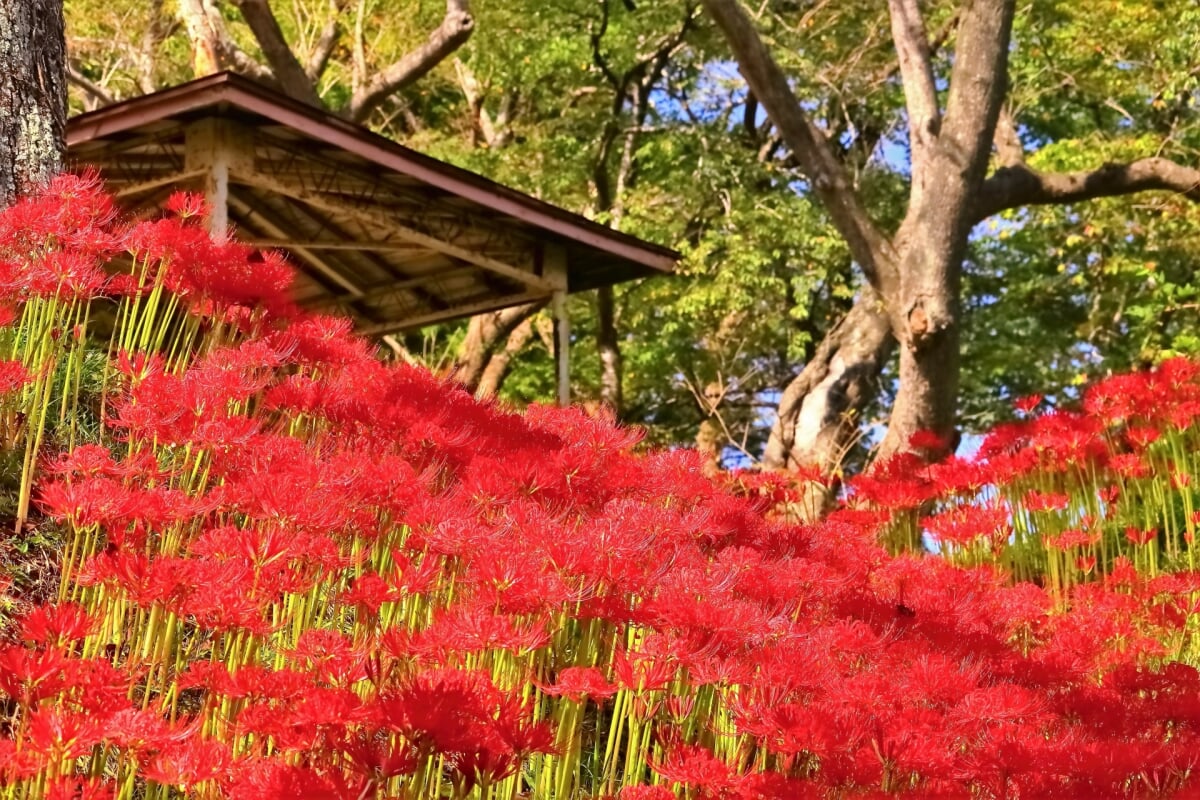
(399, 286)
(490, 303)
(214, 147)
(266, 221)
(371, 247)
(175, 179)
(425, 298)
(330, 205)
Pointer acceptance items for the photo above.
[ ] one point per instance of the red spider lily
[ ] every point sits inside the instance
(74, 789)
(644, 672)
(1046, 501)
(965, 524)
(368, 594)
(576, 683)
(475, 628)
(1074, 537)
(248, 681)
(1140, 537)
(94, 500)
(269, 779)
(13, 375)
(1028, 403)
(646, 793)
(29, 676)
(696, 767)
(186, 204)
(141, 730)
(465, 718)
(188, 763)
(328, 656)
(56, 626)
(55, 735)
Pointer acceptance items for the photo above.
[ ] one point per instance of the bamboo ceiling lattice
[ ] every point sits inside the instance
(396, 239)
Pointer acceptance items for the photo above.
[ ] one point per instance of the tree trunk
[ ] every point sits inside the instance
(610, 351)
(918, 272)
(821, 409)
(33, 95)
(948, 176)
(497, 368)
(486, 333)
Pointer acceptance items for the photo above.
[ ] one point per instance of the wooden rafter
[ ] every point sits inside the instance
(422, 296)
(489, 303)
(331, 206)
(268, 224)
(383, 292)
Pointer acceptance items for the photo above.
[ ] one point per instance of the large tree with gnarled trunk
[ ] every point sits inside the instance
(914, 274)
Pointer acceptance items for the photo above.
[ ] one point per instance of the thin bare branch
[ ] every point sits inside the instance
(1009, 150)
(160, 28)
(359, 73)
(920, 92)
(318, 59)
(213, 48)
(452, 34)
(98, 93)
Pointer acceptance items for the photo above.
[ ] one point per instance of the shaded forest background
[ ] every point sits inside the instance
(636, 114)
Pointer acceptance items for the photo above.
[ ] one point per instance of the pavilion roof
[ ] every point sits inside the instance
(394, 238)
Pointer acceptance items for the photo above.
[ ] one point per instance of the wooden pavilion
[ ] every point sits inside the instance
(395, 239)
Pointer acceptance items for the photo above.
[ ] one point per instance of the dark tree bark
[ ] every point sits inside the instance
(500, 364)
(33, 94)
(629, 110)
(456, 27)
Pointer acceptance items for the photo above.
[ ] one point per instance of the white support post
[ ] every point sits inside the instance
(213, 148)
(555, 271)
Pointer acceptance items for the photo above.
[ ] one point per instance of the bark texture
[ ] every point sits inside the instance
(33, 94)
(491, 342)
(817, 419)
(608, 343)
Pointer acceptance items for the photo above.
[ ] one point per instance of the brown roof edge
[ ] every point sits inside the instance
(250, 96)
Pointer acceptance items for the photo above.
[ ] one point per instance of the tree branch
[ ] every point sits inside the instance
(936, 43)
(485, 333)
(95, 90)
(830, 182)
(326, 42)
(978, 82)
(292, 78)
(213, 48)
(1019, 185)
(160, 28)
(920, 93)
(1007, 140)
(594, 37)
(452, 34)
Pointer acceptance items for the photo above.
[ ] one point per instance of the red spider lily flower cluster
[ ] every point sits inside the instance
(292, 570)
